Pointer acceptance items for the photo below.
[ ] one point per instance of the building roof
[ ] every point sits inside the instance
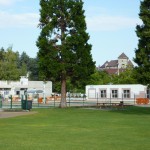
(113, 63)
(123, 56)
(104, 65)
(114, 70)
(112, 66)
(130, 63)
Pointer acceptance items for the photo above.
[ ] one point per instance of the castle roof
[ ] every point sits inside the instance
(112, 66)
(130, 63)
(113, 63)
(104, 65)
(123, 56)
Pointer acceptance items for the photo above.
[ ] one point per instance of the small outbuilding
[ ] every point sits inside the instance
(24, 86)
(117, 92)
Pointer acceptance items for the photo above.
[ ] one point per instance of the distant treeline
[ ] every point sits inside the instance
(13, 65)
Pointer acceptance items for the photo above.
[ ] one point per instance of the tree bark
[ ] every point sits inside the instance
(63, 103)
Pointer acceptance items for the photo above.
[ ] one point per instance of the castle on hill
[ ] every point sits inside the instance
(116, 66)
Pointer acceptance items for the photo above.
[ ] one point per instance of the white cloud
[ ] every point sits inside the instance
(18, 20)
(110, 23)
(94, 23)
(7, 2)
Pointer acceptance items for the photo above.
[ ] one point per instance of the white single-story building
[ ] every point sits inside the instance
(24, 86)
(124, 91)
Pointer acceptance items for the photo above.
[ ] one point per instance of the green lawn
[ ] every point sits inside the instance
(77, 129)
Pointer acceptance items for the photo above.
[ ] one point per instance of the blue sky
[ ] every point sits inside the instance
(110, 24)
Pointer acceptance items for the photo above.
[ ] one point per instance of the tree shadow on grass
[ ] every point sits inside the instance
(136, 110)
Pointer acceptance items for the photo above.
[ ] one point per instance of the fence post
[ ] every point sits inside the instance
(134, 99)
(110, 98)
(1, 101)
(26, 102)
(38, 101)
(83, 98)
(10, 101)
(69, 100)
(21, 101)
(97, 98)
(54, 101)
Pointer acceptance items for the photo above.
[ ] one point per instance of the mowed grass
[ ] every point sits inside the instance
(77, 129)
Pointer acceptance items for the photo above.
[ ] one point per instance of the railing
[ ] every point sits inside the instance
(54, 101)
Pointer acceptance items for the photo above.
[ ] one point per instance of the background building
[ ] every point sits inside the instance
(116, 66)
(117, 92)
(24, 86)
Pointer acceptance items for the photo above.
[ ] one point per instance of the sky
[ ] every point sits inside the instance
(111, 25)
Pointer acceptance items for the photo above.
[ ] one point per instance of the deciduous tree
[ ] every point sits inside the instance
(8, 65)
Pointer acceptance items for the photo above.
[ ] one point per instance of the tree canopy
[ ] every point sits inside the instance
(13, 65)
(8, 65)
(143, 51)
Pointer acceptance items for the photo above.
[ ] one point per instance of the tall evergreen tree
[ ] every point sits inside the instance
(63, 45)
(33, 69)
(29, 66)
(25, 60)
(142, 57)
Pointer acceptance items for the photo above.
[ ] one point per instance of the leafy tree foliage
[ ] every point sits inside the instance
(126, 77)
(64, 51)
(13, 65)
(143, 51)
(29, 66)
(8, 65)
(33, 69)
(99, 78)
(24, 59)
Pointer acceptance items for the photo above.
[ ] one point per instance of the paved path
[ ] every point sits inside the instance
(4, 114)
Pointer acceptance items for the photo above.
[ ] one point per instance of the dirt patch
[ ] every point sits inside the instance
(4, 114)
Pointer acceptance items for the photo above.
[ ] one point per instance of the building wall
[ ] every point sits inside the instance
(136, 90)
(122, 63)
(39, 85)
(19, 87)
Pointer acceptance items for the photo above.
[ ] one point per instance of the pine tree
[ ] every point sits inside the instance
(64, 51)
(142, 57)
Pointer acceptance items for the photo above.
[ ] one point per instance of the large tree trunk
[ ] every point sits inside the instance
(63, 103)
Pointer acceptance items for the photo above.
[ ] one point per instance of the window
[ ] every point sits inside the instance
(114, 93)
(103, 93)
(6, 92)
(123, 65)
(17, 92)
(126, 93)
